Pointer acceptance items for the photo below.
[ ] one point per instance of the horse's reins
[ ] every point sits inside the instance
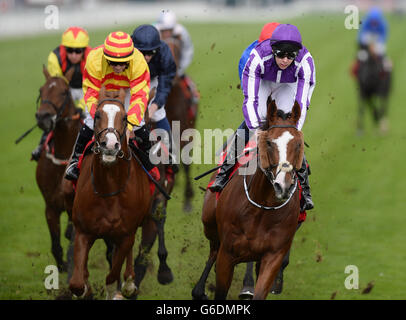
(271, 178)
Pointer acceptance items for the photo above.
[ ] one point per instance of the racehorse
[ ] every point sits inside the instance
(112, 199)
(181, 109)
(256, 221)
(374, 87)
(58, 116)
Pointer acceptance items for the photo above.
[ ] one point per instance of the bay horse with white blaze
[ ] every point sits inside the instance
(256, 220)
(58, 116)
(112, 198)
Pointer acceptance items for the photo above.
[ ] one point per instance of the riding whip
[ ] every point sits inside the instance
(25, 134)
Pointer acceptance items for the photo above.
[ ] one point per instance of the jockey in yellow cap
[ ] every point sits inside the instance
(71, 53)
(115, 65)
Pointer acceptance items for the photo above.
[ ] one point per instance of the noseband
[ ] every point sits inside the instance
(271, 177)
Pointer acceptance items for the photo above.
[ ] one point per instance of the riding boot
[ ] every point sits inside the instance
(36, 154)
(303, 175)
(84, 136)
(141, 146)
(229, 162)
(164, 125)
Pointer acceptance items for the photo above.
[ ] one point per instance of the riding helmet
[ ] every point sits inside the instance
(146, 38)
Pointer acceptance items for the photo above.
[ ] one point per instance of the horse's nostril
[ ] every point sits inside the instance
(277, 187)
(117, 146)
(103, 144)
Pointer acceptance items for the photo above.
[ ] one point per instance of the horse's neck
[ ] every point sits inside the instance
(64, 137)
(260, 189)
(112, 177)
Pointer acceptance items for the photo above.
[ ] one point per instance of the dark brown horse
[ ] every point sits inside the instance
(112, 198)
(56, 114)
(255, 218)
(374, 83)
(181, 111)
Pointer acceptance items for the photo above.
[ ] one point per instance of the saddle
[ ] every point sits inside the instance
(244, 160)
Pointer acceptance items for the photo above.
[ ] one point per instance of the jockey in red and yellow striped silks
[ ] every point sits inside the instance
(135, 77)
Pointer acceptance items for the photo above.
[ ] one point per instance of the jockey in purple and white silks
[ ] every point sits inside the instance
(281, 68)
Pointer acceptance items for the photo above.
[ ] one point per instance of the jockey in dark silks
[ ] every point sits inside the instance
(372, 39)
(162, 68)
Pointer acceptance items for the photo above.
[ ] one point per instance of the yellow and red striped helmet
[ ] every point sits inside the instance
(75, 37)
(118, 47)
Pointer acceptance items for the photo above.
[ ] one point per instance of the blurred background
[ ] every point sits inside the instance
(357, 179)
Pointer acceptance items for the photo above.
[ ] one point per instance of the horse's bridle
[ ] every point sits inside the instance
(271, 178)
(58, 110)
(120, 136)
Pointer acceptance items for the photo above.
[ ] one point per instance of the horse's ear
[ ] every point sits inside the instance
(121, 95)
(45, 72)
(296, 112)
(69, 74)
(272, 109)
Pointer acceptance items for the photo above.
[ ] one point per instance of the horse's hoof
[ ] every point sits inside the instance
(118, 296)
(278, 286)
(86, 294)
(129, 289)
(200, 297)
(246, 293)
(165, 277)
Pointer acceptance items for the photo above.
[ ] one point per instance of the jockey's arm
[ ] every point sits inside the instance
(250, 87)
(91, 86)
(306, 81)
(53, 67)
(168, 72)
(186, 53)
(139, 90)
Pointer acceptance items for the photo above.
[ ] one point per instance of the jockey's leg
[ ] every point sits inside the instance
(162, 123)
(35, 155)
(303, 175)
(144, 144)
(236, 145)
(84, 136)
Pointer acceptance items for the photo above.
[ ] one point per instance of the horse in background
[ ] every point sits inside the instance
(181, 110)
(374, 83)
(256, 221)
(112, 199)
(58, 116)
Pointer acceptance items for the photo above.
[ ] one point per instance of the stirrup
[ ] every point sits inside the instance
(36, 154)
(72, 171)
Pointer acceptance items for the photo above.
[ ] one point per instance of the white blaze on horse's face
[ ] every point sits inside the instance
(111, 139)
(284, 166)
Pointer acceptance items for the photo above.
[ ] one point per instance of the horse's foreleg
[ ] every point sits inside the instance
(268, 269)
(198, 292)
(187, 207)
(129, 289)
(224, 274)
(78, 283)
(165, 275)
(121, 251)
(361, 112)
(149, 234)
(53, 220)
(247, 292)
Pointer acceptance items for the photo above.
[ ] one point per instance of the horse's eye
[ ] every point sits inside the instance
(268, 143)
(97, 115)
(125, 118)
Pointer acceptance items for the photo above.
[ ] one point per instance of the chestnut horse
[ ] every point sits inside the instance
(256, 222)
(181, 110)
(57, 114)
(112, 198)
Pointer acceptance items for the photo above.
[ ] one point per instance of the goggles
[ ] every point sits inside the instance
(117, 63)
(282, 54)
(149, 52)
(76, 50)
